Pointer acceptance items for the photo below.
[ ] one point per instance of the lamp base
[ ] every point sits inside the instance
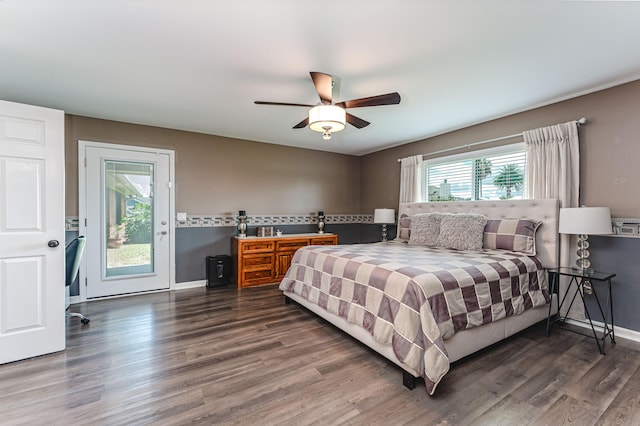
(582, 271)
(384, 232)
(321, 224)
(583, 264)
(242, 226)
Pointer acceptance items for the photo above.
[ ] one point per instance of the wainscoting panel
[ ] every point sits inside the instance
(195, 243)
(619, 256)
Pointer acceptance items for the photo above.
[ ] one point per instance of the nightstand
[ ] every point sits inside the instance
(583, 282)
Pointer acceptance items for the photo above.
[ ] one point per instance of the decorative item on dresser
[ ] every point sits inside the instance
(265, 260)
(242, 223)
(384, 216)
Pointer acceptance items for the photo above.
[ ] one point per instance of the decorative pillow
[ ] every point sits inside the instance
(404, 227)
(425, 229)
(511, 234)
(462, 231)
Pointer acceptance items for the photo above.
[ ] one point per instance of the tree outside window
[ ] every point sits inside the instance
(509, 179)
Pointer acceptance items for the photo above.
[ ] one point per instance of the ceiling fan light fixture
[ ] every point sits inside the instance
(327, 119)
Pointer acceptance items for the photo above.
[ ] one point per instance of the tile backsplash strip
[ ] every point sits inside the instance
(72, 222)
(204, 221)
(625, 227)
(217, 220)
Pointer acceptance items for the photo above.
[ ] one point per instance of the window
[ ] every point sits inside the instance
(489, 174)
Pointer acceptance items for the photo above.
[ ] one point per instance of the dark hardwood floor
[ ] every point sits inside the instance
(223, 356)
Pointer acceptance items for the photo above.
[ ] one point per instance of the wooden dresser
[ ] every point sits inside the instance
(265, 260)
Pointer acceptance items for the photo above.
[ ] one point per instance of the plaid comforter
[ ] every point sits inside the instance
(414, 298)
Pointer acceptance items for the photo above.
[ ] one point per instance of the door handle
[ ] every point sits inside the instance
(53, 243)
(163, 232)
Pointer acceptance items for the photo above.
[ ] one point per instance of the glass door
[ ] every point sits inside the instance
(128, 212)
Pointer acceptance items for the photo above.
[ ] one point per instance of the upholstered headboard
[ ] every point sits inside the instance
(547, 238)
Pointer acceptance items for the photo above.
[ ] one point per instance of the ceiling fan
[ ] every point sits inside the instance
(327, 117)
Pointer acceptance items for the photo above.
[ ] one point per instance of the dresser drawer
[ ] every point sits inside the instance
(259, 276)
(323, 241)
(258, 261)
(258, 246)
(291, 245)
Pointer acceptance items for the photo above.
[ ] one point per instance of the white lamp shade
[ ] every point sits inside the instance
(585, 221)
(327, 117)
(384, 216)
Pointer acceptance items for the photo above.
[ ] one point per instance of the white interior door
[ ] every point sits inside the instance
(128, 226)
(32, 286)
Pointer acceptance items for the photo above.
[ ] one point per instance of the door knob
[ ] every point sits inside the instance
(163, 232)
(53, 243)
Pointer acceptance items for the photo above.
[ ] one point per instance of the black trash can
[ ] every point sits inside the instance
(218, 271)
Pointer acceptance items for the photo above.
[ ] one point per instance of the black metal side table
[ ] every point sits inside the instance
(582, 282)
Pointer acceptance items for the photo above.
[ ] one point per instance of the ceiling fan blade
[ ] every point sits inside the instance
(324, 86)
(301, 125)
(356, 121)
(282, 104)
(386, 99)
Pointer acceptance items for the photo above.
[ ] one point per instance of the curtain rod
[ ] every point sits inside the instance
(579, 122)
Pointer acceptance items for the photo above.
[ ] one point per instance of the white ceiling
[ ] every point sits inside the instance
(198, 65)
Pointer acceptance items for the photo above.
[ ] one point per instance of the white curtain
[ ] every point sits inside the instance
(553, 171)
(553, 157)
(410, 179)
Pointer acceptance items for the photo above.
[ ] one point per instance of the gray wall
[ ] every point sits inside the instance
(219, 176)
(609, 149)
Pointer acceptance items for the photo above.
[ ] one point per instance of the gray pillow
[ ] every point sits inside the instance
(425, 228)
(511, 234)
(462, 231)
(404, 228)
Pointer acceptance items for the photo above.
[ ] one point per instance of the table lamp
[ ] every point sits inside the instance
(384, 216)
(321, 218)
(242, 223)
(584, 221)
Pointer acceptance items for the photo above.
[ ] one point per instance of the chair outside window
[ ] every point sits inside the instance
(73, 255)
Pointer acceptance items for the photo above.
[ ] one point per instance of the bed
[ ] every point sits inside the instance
(426, 307)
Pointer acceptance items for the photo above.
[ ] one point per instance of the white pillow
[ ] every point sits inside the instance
(462, 231)
(425, 229)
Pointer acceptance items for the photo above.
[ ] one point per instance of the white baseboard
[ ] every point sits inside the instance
(176, 286)
(624, 333)
(189, 284)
